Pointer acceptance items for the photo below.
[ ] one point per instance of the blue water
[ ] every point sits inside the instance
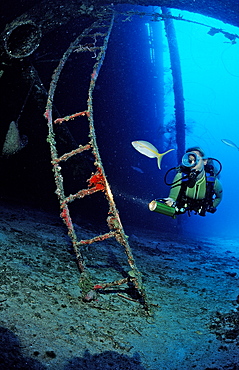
(130, 87)
(190, 275)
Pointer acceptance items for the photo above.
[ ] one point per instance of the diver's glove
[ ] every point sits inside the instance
(211, 209)
(169, 201)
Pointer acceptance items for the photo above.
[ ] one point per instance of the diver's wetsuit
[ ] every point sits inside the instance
(198, 191)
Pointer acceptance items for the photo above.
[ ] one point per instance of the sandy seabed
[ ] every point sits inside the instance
(192, 287)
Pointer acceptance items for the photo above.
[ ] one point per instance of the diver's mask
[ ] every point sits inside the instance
(190, 160)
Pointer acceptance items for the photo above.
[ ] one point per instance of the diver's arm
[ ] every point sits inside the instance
(218, 193)
(174, 191)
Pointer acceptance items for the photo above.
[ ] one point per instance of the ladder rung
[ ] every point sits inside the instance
(98, 238)
(72, 116)
(65, 156)
(81, 194)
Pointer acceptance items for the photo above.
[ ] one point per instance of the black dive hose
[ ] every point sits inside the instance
(183, 169)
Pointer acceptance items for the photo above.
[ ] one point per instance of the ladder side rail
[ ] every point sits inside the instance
(65, 214)
(114, 219)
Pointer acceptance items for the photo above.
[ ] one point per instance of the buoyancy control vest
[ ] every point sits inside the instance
(201, 203)
(195, 195)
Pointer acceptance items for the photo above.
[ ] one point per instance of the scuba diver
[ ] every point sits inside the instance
(195, 187)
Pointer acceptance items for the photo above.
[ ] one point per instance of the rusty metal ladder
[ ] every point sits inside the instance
(98, 181)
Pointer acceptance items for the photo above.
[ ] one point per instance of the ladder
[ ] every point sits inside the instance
(98, 181)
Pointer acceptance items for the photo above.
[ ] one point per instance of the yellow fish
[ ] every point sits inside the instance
(144, 147)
